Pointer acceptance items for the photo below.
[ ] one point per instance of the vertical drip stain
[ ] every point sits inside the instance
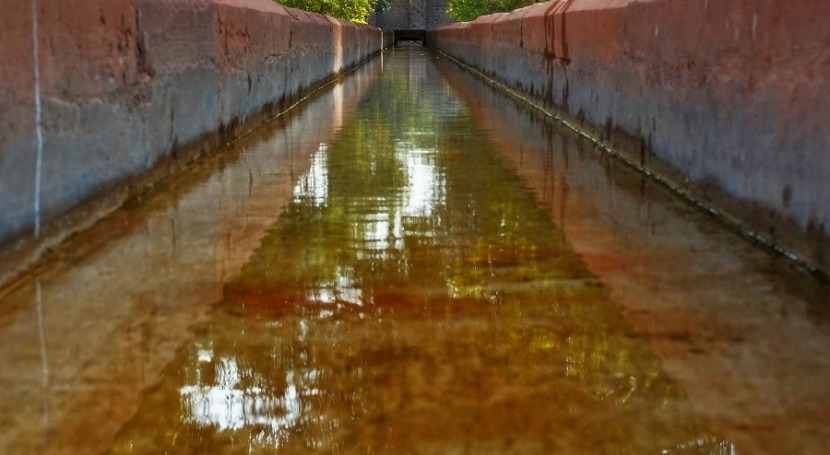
(563, 30)
(38, 119)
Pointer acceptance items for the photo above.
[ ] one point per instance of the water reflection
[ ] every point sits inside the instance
(414, 298)
(222, 400)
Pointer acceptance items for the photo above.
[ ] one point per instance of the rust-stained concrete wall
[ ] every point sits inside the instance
(726, 99)
(101, 98)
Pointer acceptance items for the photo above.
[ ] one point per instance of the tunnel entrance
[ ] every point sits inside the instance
(410, 35)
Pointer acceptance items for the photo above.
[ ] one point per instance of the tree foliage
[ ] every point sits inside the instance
(359, 10)
(350, 10)
(467, 10)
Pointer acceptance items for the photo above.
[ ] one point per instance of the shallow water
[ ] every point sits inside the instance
(412, 263)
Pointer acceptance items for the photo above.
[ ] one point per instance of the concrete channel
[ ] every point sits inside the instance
(233, 227)
(413, 262)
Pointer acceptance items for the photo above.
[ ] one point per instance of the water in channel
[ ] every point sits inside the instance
(413, 263)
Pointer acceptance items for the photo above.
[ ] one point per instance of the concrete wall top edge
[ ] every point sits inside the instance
(550, 7)
(265, 6)
(774, 17)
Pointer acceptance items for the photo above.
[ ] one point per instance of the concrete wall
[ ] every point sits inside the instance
(101, 98)
(412, 15)
(726, 99)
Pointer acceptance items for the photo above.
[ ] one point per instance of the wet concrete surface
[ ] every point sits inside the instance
(412, 263)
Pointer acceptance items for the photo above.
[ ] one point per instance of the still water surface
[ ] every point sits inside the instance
(412, 263)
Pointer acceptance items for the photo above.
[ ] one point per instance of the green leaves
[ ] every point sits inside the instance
(351, 10)
(359, 10)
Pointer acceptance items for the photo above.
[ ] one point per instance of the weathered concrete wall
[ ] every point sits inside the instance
(728, 99)
(101, 98)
